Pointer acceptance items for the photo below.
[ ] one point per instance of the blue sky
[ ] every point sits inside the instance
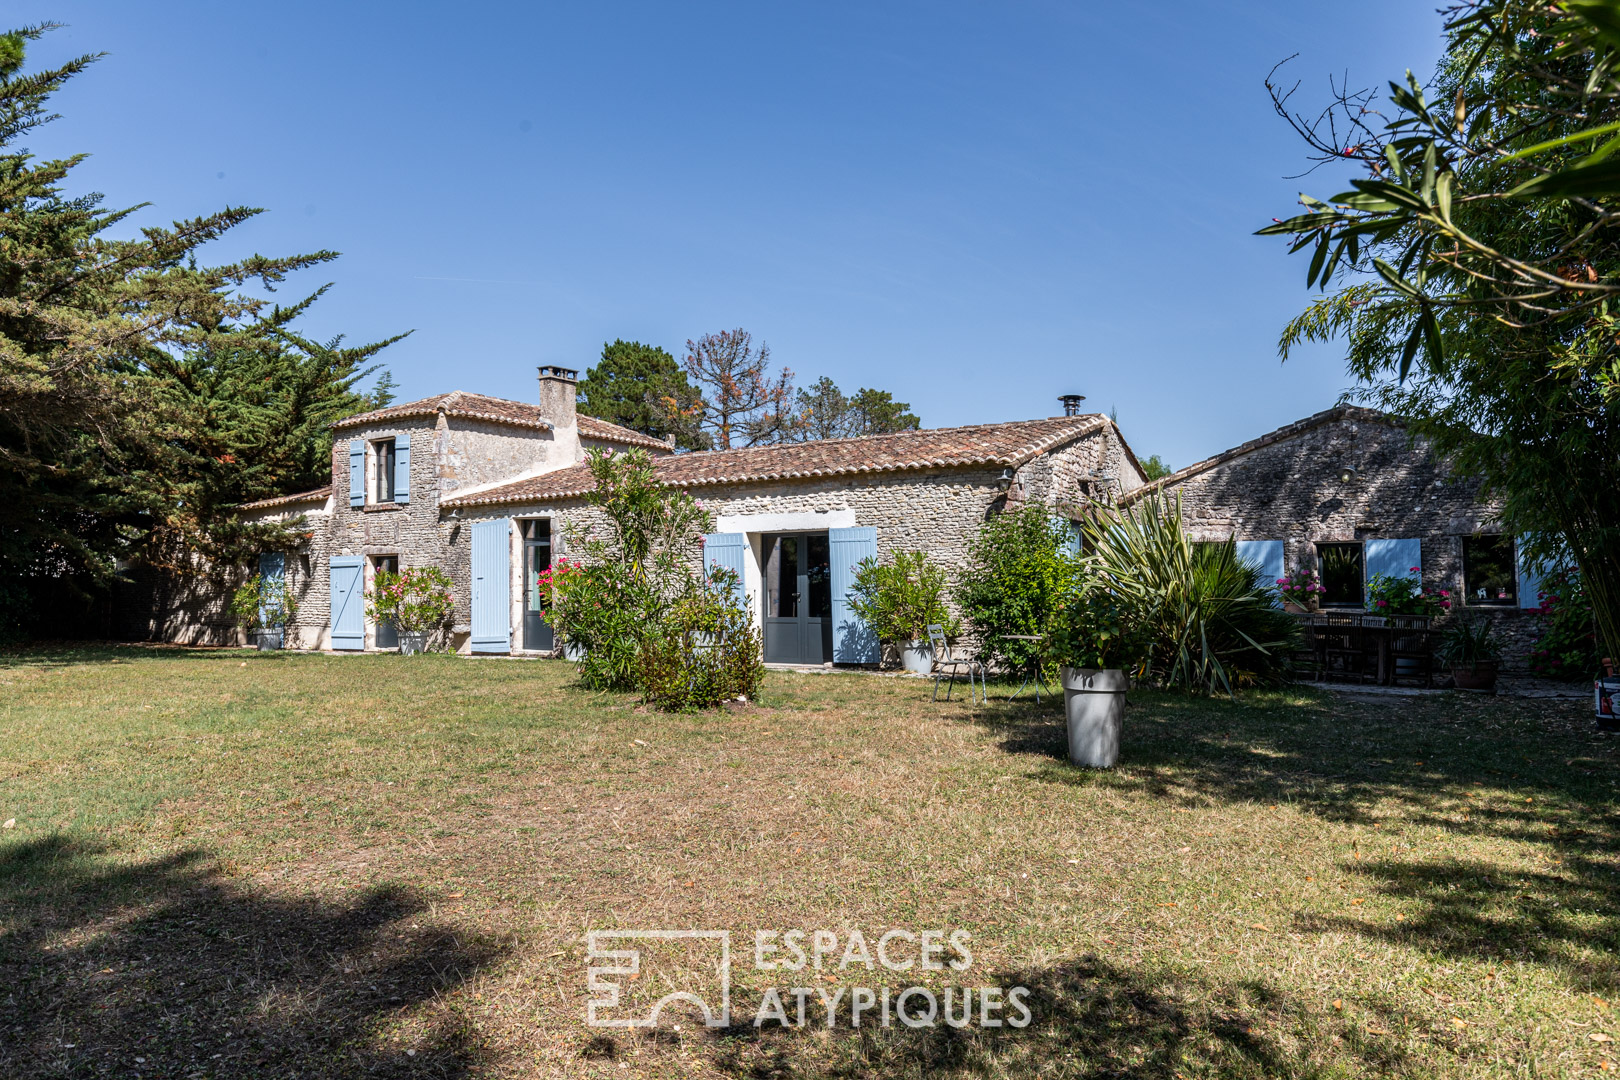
(977, 206)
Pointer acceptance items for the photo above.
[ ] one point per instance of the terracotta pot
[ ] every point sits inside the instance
(1481, 676)
(1608, 667)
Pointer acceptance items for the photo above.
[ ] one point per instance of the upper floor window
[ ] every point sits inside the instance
(384, 461)
(380, 470)
(1489, 575)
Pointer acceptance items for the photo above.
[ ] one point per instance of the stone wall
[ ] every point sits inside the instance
(192, 608)
(476, 453)
(1287, 486)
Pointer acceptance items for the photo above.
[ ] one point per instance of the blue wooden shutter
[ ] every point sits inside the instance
(402, 467)
(273, 572)
(357, 472)
(728, 550)
(1393, 557)
(1529, 576)
(853, 641)
(348, 603)
(492, 586)
(1265, 554)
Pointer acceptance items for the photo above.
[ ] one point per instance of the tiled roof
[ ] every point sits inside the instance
(1287, 431)
(320, 494)
(983, 444)
(500, 411)
(592, 428)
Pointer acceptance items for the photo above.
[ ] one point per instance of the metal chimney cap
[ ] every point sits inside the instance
(1071, 403)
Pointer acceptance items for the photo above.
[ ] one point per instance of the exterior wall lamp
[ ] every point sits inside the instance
(1346, 475)
(1004, 481)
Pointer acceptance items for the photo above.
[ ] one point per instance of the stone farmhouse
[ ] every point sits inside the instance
(491, 491)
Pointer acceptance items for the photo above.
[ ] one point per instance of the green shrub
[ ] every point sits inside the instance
(259, 603)
(705, 651)
(1019, 572)
(901, 598)
(1568, 646)
(1097, 629)
(1207, 616)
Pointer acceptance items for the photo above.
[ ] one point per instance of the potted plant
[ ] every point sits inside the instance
(265, 606)
(1096, 643)
(897, 600)
(1389, 595)
(1301, 591)
(1468, 648)
(417, 601)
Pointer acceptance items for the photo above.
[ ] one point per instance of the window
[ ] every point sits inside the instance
(382, 471)
(1489, 576)
(1343, 574)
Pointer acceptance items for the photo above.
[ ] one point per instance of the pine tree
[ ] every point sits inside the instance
(741, 400)
(826, 413)
(641, 387)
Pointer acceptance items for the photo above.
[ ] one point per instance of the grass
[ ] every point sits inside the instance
(238, 864)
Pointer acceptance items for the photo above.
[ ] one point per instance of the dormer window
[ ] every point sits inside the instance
(383, 461)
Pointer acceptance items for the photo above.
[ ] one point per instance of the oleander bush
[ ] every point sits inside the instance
(634, 601)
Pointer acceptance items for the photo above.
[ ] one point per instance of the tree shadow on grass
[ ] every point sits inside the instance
(1532, 772)
(1088, 1018)
(165, 968)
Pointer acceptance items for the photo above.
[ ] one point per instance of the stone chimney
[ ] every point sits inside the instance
(557, 404)
(557, 390)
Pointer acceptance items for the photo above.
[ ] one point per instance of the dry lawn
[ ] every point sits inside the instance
(272, 865)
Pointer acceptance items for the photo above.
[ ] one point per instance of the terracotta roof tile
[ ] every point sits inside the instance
(500, 411)
(319, 494)
(592, 428)
(1009, 444)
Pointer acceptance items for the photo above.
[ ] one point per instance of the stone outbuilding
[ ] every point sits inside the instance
(1350, 493)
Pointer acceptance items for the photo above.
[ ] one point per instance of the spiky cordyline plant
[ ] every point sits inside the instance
(1209, 617)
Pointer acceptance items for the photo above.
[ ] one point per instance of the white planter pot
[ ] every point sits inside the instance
(1094, 702)
(413, 642)
(573, 651)
(917, 657)
(266, 640)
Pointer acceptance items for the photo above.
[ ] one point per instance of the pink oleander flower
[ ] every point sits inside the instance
(1383, 603)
